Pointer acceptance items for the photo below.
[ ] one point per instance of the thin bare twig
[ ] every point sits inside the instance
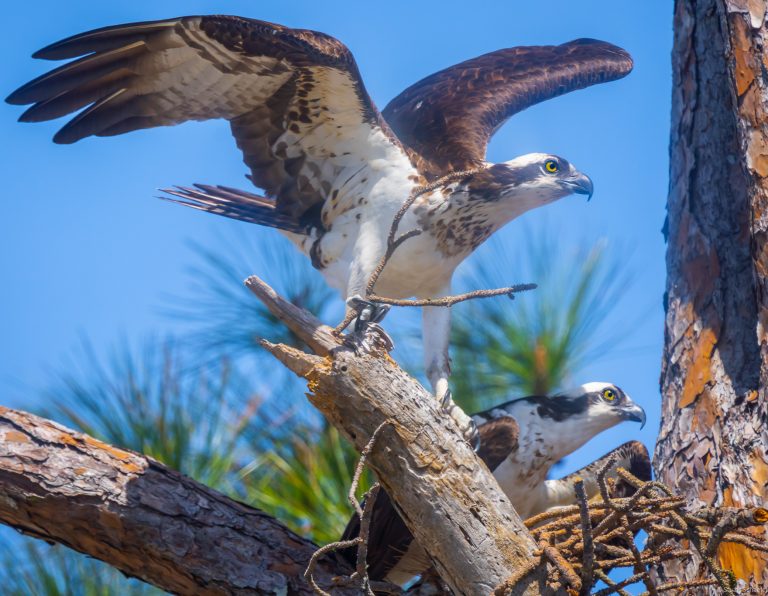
(447, 301)
(392, 242)
(364, 513)
(324, 550)
(360, 467)
(362, 545)
(588, 557)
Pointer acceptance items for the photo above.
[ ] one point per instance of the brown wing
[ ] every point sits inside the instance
(632, 456)
(449, 117)
(294, 98)
(389, 537)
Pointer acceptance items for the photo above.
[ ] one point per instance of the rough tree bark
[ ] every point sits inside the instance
(714, 433)
(155, 524)
(447, 497)
(143, 518)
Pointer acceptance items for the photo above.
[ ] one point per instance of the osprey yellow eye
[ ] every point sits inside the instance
(551, 166)
(609, 394)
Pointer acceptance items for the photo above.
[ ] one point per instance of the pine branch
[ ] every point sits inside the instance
(146, 520)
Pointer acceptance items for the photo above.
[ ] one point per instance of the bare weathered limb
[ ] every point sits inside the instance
(712, 444)
(143, 518)
(446, 496)
(305, 325)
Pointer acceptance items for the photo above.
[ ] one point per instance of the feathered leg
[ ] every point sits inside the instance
(366, 329)
(436, 334)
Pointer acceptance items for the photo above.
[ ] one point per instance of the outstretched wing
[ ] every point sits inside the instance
(449, 117)
(389, 539)
(294, 98)
(632, 456)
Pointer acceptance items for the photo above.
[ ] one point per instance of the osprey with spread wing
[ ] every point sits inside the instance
(334, 169)
(520, 441)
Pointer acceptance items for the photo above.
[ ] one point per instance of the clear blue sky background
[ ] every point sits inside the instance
(86, 251)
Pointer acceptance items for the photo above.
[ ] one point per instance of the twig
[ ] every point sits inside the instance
(693, 583)
(364, 513)
(447, 301)
(513, 580)
(599, 574)
(324, 550)
(562, 565)
(392, 242)
(362, 545)
(594, 537)
(359, 469)
(588, 557)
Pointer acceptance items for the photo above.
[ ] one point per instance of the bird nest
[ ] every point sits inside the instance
(583, 543)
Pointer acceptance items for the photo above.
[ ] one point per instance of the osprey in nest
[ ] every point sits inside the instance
(334, 170)
(520, 442)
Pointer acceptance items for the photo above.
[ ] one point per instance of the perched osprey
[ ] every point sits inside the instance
(520, 442)
(334, 169)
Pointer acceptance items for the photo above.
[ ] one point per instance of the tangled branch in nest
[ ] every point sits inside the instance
(586, 541)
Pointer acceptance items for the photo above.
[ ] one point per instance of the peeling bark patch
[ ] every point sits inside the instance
(744, 73)
(757, 10)
(704, 416)
(759, 473)
(738, 559)
(757, 155)
(699, 372)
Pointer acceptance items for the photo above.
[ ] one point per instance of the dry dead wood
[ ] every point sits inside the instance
(446, 496)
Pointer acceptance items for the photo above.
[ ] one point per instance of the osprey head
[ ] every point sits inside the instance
(542, 177)
(573, 417)
(600, 405)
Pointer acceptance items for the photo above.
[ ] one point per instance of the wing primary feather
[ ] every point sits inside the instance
(98, 40)
(73, 74)
(91, 120)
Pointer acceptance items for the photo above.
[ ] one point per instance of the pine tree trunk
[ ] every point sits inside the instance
(714, 436)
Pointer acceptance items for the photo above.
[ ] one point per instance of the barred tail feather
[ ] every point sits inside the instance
(235, 204)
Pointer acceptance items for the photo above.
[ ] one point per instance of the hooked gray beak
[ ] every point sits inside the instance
(580, 184)
(634, 412)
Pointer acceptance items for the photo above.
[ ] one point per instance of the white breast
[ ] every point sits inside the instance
(359, 212)
(522, 475)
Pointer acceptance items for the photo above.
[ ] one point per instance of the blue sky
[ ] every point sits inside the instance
(87, 252)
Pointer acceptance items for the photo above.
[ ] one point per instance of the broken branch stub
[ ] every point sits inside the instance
(446, 496)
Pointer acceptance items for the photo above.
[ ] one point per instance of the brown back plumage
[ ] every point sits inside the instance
(449, 117)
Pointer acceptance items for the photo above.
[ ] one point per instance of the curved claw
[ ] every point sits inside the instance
(367, 311)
